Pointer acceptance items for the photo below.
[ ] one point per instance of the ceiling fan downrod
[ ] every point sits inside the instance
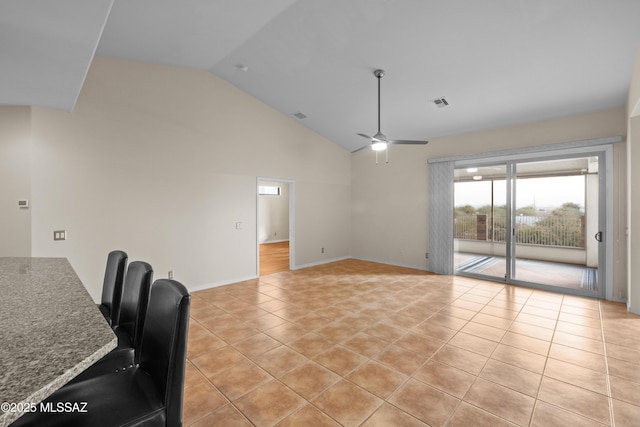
(379, 74)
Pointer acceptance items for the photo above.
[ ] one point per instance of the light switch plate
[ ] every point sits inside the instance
(60, 235)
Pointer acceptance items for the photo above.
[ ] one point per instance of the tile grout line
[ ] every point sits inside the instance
(410, 377)
(606, 367)
(546, 360)
(500, 342)
(485, 364)
(386, 400)
(535, 401)
(476, 376)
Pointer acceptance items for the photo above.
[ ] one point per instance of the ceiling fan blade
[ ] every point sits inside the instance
(365, 136)
(361, 148)
(407, 141)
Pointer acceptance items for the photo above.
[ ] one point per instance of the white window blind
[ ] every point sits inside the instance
(440, 212)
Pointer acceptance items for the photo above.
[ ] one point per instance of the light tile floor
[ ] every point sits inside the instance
(357, 343)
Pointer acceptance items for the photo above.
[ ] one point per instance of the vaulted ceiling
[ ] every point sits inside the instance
(497, 62)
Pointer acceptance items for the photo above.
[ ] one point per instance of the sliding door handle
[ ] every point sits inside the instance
(598, 236)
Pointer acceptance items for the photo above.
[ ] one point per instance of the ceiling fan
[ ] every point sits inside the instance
(379, 141)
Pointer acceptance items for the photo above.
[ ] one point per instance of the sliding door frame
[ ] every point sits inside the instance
(605, 153)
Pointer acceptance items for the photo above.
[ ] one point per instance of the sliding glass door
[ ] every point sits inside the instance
(479, 223)
(536, 222)
(556, 223)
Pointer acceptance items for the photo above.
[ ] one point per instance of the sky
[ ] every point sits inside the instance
(543, 193)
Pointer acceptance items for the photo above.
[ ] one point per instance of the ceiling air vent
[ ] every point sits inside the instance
(440, 102)
(300, 115)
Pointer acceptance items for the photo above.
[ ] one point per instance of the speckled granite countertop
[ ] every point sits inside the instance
(50, 329)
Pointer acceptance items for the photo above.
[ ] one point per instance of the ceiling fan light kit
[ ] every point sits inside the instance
(379, 145)
(380, 142)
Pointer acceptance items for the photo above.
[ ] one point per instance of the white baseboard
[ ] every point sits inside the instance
(415, 267)
(632, 310)
(217, 284)
(298, 267)
(325, 261)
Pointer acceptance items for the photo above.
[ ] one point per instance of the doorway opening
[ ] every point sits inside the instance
(275, 219)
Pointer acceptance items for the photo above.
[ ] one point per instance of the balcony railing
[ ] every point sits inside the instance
(562, 231)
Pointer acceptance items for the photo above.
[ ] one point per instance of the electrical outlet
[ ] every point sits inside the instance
(170, 275)
(426, 255)
(321, 250)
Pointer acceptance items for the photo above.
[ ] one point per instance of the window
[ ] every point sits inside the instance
(269, 190)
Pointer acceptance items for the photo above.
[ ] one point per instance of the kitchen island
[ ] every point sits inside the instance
(50, 331)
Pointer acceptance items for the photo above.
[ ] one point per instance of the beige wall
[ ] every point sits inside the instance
(633, 101)
(633, 301)
(162, 162)
(15, 181)
(389, 217)
(633, 193)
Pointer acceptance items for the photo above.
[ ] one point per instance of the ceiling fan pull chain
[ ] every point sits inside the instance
(386, 152)
(376, 157)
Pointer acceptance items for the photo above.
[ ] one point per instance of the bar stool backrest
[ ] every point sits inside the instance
(112, 286)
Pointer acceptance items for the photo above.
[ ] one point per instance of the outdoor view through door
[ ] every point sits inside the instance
(535, 222)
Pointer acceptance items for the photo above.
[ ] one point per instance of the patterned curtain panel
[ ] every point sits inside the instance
(440, 213)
